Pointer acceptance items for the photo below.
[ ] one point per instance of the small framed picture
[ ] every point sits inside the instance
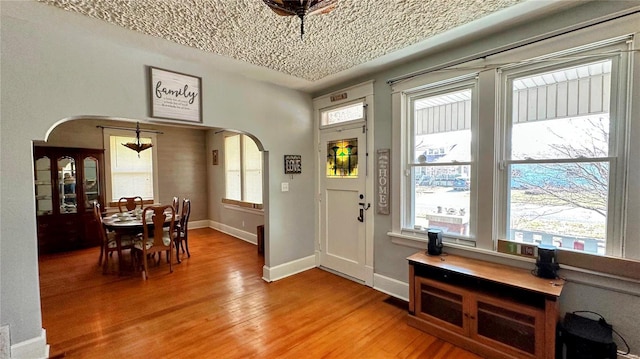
(214, 157)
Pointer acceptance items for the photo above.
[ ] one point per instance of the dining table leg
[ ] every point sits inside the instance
(119, 250)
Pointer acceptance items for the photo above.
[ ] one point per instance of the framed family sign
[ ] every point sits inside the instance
(175, 96)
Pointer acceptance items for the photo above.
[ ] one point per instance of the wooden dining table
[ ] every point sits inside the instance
(128, 224)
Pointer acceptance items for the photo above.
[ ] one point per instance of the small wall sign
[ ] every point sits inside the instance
(214, 157)
(338, 97)
(383, 169)
(292, 164)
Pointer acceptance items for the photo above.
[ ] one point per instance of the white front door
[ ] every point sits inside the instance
(343, 201)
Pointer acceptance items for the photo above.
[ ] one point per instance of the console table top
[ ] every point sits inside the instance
(499, 273)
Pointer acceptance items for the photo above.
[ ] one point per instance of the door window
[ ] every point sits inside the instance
(342, 158)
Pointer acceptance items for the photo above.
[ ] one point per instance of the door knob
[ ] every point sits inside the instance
(362, 209)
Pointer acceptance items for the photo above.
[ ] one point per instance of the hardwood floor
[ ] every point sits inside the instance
(216, 305)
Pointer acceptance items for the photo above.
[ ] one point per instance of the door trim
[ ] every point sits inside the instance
(363, 90)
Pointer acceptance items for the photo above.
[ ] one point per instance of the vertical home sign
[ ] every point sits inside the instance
(383, 170)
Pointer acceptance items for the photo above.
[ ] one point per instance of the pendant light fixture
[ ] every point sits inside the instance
(300, 8)
(138, 146)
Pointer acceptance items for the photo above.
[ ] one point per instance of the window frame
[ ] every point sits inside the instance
(242, 202)
(107, 133)
(491, 111)
(617, 129)
(442, 87)
(352, 103)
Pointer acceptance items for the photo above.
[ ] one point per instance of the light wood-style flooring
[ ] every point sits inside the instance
(216, 305)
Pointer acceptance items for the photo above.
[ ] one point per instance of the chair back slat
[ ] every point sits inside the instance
(175, 204)
(129, 203)
(157, 216)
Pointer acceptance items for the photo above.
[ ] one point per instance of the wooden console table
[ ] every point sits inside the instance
(494, 310)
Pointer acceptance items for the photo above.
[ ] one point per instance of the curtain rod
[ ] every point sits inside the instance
(129, 129)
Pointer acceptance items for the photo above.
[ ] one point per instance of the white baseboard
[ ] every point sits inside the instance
(232, 231)
(270, 274)
(34, 348)
(393, 287)
(199, 224)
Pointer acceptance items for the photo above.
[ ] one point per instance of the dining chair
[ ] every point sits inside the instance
(175, 204)
(108, 243)
(129, 203)
(155, 238)
(181, 235)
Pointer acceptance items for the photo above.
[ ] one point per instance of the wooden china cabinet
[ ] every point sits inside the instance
(67, 183)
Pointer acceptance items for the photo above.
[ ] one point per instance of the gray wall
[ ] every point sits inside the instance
(52, 71)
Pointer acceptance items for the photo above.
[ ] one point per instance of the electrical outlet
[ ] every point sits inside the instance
(242, 224)
(285, 186)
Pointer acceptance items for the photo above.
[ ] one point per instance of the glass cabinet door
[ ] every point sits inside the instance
(44, 201)
(91, 182)
(67, 185)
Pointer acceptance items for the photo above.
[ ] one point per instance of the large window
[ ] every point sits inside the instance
(440, 130)
(132, 174)
(539, 148)
(561, 155)
(243, 169)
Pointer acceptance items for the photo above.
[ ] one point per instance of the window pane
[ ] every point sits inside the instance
(347, 113)
(562, 113)
(232, 167)
(579, 137)
(131, 173)
(442, 128)
(442, 198)
(562, 204)
(253, 171)
(560, 116)
(342, 158)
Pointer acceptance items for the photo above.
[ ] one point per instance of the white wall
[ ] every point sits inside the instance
(57, 64)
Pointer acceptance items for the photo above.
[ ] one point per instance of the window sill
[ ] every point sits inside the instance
(570, 274)
(235, 207)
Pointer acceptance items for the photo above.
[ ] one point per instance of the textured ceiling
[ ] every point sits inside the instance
(356, 32)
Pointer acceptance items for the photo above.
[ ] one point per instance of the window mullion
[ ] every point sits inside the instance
(243, 185)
